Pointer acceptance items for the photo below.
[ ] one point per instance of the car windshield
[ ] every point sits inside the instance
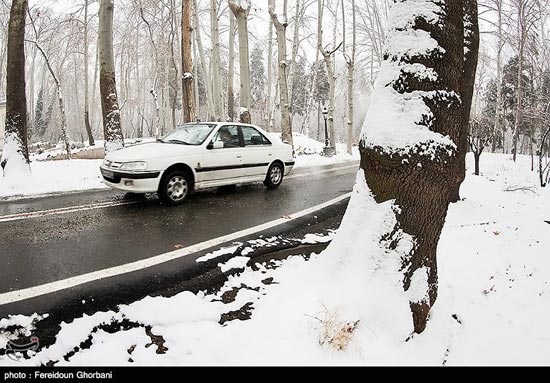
(190, 134)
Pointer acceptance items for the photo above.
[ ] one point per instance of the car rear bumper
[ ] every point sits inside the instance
(142, 182)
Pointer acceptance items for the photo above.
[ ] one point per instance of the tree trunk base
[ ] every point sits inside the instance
(420, 313)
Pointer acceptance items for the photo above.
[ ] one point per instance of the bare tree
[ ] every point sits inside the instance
(15, 156)
(527, 13)
(204, 65)
(329, 62)
(268, 116)
(471, 48)
(231, 69)
(241, 11)
(153, 91)
(480, 135)
(496, 9)
(350, 62)
(188, 92)
(371, 28)
(114, 139)
(86, 76)
(280, 27)
(60, 98)
(216, 61)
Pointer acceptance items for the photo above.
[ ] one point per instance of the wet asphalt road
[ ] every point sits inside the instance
(44, 249)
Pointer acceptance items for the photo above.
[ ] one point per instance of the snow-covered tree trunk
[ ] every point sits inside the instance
(216, 61)
(15, 156)
(114, 139)
(231, 69)
(188, 92)
(471, 48)
(410, 141)
(241, 11)
(87, 125)
(280, 27)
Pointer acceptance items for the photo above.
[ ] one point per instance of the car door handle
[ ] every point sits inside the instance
(239, 157)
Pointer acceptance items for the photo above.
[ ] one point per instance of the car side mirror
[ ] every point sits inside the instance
(215, 145)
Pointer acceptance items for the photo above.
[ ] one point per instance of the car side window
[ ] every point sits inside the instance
(252, 137)
(229, 136)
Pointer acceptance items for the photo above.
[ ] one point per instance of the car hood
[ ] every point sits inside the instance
(150, 151)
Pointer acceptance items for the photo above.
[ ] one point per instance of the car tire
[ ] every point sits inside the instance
(175, 188)
(274, 177)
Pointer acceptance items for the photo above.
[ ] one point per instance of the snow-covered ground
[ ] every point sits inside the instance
(48, 177)
(493, 305)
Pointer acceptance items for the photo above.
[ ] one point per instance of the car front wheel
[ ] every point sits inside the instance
(274, 176)
(175, 188)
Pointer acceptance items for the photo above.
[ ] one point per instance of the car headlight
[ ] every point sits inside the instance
(134, 166)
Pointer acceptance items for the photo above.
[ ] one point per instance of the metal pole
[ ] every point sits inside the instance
(326, 132)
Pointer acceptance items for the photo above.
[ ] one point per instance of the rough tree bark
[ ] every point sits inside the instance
(114, 139)
(15, 156)
(280, 27)
(188, 92)
(241, 14)
(411, 163)
(471, 44)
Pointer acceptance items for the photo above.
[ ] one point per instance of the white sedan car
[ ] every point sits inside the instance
(198, 156)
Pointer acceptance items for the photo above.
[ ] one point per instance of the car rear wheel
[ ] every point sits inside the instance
(274, 177)
(175, 188)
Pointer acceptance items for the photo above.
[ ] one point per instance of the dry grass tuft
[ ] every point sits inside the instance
(333, 332)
